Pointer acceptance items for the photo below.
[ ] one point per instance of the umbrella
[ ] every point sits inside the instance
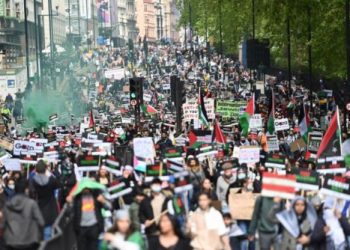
(86, 183)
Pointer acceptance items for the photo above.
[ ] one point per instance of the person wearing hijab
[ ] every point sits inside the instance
(331, 228)
(297, 223)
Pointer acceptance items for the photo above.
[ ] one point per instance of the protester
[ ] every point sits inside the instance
(88, 219)
(122, 235)
(44, 185)
(23, 221)
(206, 227)
(170, 236)
(331, 227)
(298, 223)
(262, 224)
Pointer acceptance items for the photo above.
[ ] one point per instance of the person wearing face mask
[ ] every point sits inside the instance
(152, 208)
(223, 183)
(9, 189)
(243, 141)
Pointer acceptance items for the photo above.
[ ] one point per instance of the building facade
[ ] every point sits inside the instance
(58, 22)
(157, 20)
(13, 67)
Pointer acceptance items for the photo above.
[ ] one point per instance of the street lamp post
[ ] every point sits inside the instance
(36, 41)
(52, 46)
(309, 51)
(26, 37)
(289, 56)
(220, 26)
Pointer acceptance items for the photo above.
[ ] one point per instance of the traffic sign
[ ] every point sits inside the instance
(348, 106)
(133, 102)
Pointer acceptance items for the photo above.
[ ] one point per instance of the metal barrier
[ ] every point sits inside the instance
(63, 236)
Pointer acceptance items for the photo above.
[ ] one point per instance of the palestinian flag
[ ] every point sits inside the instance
(179, 206)
(202, 113)
(331, 142)
(148, 109)
(203, 136)
(244, 119)
(271, 120)
(218, 136)
(91, 120)
(118, 190)
(304, 123)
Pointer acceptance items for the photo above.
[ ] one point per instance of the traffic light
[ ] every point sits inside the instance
(136, 91)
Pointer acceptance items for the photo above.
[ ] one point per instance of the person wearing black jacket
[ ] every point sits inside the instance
(330, 228)
(88, 220)
(152, 208)
(44, 185)
(170, 236)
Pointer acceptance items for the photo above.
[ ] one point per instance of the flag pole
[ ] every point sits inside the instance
(339, 128)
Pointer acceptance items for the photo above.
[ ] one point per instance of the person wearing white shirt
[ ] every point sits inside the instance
(207, 228)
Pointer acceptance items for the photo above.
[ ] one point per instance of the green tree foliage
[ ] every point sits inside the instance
(327, 22)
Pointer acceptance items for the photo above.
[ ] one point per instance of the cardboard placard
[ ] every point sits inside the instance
(242, 205)
(298, 145)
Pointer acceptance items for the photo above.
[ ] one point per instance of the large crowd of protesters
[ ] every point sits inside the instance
(153, 214)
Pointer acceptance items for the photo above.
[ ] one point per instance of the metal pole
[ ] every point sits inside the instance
(26, 37)
(36, 41)
(78, 2)
(309, 51)
(93, 23)
(220, 26)
(289, 56)
(40, 53)
(191, 31)
(69, 18)
(87, 21)
(347, 29)
(52, 45)
(253, 17)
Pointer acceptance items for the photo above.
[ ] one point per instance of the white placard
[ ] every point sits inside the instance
(281, 124)
(255, 122)
(166, 86)
(144, 148)
(249, 154)
(272, 143)
(116, 73)
(24, 147)
(190, 109)
(147, 97)
(12, 164)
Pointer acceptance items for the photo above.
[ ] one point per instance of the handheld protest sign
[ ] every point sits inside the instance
(242, 205)
(307, 180)
(275, 161)
(272, 143)
(275, 185)
(182, 182)
(88, 163)
(336, 186)
(156, 170)
(249, 154)
(331, 165)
